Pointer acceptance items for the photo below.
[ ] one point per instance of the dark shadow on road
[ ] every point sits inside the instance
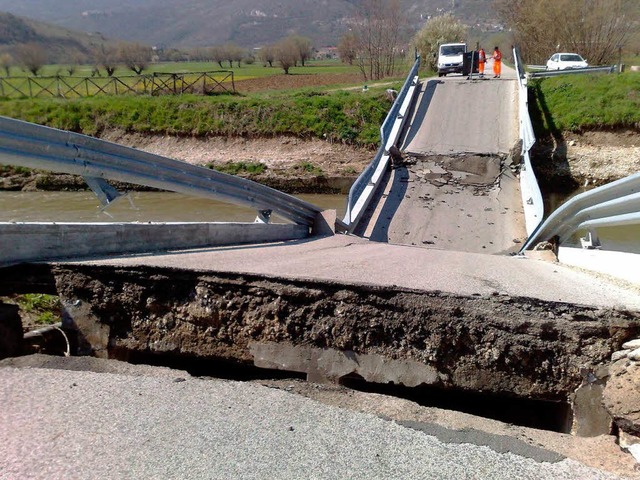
(399, 177)
(421, 112)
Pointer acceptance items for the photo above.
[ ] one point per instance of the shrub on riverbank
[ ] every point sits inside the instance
(575, 103)
(351, 117)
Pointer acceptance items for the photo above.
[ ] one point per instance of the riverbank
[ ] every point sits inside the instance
(586, 160)
(295, 165)
(289, 164)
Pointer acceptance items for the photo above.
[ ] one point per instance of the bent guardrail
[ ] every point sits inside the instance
(365, 186)
(614, 204)
(34, 146)
(530, 190)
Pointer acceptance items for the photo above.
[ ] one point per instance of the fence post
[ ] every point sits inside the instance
(30, 89)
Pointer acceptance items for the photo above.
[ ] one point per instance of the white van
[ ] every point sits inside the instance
(450, 58)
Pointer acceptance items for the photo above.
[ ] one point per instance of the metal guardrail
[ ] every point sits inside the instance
(532, 202)
(614, 204)
(366, 184)
(573, 71)
(387, 125)
(34, 146)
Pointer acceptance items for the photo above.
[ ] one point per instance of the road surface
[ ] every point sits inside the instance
(455, 116)
(86, 425)
(458, 190)
(352, 260)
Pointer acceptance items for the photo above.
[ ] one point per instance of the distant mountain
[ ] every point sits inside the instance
(249, 23)
(61, 45)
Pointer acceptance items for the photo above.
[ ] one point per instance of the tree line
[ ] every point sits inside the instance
(596, 29)
(289, 52)
(377, 37)
(32, 57)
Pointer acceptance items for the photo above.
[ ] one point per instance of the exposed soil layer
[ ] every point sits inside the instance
(586, 160)
(499, 344)
(294, 81)
(292, 165)
(296, 165)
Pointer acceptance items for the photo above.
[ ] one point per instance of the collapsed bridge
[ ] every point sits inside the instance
(342, 307)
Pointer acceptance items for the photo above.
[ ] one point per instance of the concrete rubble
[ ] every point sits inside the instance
(621, 396)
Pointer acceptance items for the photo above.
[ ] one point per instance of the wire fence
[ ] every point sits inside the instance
(200, 83)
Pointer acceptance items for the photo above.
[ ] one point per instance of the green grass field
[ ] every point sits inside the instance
(256, 70)
(55, 81)
(585, 102)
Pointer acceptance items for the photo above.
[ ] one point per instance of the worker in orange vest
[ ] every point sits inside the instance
(482, 58)
(497, 62)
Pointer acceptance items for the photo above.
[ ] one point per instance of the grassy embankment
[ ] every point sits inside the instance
(344, 116)
(352, 117)
(576, 103)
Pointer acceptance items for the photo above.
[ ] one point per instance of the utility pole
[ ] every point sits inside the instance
(620, 66)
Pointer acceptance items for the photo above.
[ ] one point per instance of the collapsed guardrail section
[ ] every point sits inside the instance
(366, 185)
(34, 146)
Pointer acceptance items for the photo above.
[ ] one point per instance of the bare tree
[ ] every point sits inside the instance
(6, 62)
(596, 29)
(304, 47)
(32, 57)
(233, 53)
(377, 29)
(218, 55)
(286, 54)
(135, 56)
(74, 62)
(268, 55)
(107, 57)
(348, 48)
(201, 54)
(442, 29)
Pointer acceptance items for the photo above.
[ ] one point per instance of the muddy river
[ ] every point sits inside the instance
(135, 206)
(175, 207)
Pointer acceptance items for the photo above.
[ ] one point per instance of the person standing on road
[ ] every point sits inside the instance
(482, 58)
(497, 62)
